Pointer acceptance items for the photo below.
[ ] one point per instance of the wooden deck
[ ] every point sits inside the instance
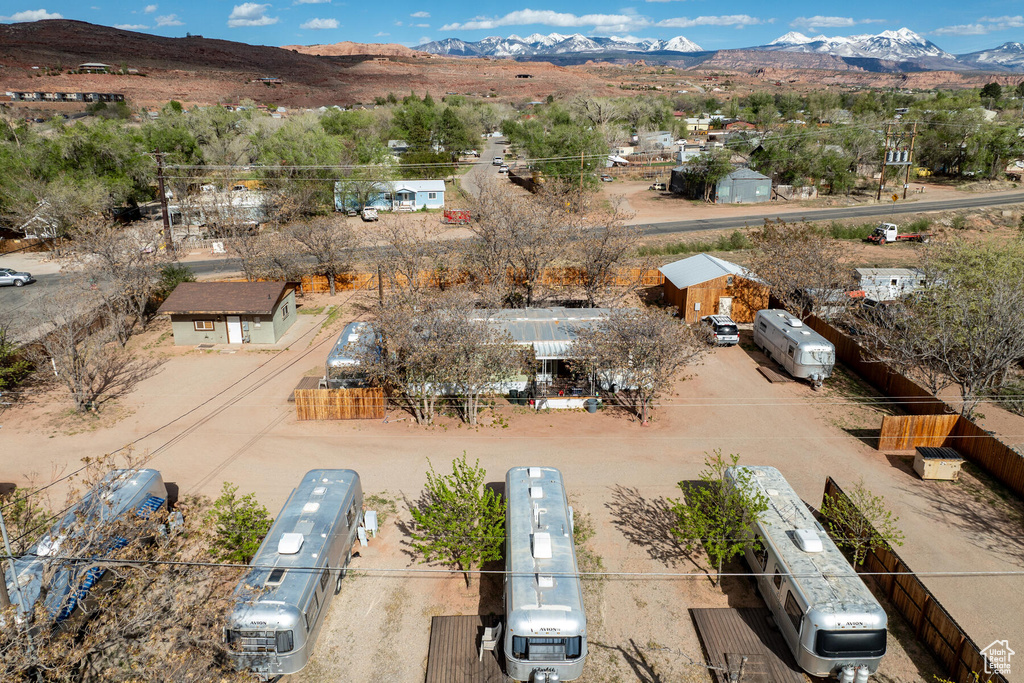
(454, 649)
(773, 375)
(305, 383)
(730, 635)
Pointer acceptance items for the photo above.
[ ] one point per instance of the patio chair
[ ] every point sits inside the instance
(490, 638)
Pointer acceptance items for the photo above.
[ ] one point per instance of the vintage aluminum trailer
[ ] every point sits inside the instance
(784, 338)
(546, 629)
(281, 603)
(828, 617)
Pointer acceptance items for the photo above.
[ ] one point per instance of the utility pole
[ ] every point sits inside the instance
(910, 162)
(168, 238)
(885, 156)
(580, 207)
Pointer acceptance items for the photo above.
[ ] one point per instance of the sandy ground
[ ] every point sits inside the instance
(211, 416)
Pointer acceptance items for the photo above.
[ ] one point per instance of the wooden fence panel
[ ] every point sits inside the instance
(932, 624)
(906, 432)
(980, 447)
(340, 404)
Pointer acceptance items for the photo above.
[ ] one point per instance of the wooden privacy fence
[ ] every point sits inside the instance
(340, 404)
(932, 624)
(902, 391)
(564, 277)
(904, 432)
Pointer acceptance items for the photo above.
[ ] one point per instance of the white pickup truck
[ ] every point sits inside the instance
(369, 213)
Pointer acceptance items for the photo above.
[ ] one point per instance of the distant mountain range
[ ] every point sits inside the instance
(887, 51)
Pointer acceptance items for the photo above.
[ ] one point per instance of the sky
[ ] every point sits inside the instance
(955, 26)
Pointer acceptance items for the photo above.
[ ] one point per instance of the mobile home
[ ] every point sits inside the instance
(784, 338)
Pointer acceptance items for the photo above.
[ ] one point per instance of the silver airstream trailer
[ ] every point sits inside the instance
(281, 603)
(827, 616)
(343, 363)
(545, 626)
(784, 338)
(109, 504)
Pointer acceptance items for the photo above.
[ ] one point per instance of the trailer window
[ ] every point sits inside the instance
(546, 649)
(763, 325)
(796, 615)
(777, 578)
(285, 641)
(850, 643)
(792, 351)
(323, 579)
(760, 553)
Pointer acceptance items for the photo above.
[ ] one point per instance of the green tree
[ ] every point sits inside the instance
(14, 367)
(707, 170)
(459, 521)
(860, 522)
(239, 525)
(717, 512)
(992, 91)
(172, 275)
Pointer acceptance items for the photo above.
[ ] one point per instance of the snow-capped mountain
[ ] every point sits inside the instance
(1007, 56)
(555, 44)
(898, 46)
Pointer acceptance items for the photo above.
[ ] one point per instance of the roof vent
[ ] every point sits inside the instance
(807, 540)
(542, 546)
(534, 472)
(289, 544)
(311, 507)
(772, 492)
(319, 490)
(276, 577)
(545, 582)
(795, 322)
(536, 492)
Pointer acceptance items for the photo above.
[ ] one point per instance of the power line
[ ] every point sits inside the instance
(503, 572)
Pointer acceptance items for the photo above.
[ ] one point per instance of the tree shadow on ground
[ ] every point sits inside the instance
(647, 522)
(637, 660)
(976, 504)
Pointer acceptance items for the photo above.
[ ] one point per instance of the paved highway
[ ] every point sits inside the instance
(873, 210)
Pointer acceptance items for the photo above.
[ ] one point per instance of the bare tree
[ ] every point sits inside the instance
(804, 269)
(330, 242)
(157, 617)
(124, 263)
(640, 351)
(264, 255)
(600, 253)
(408, 249)
(80, 343)
(966, 326)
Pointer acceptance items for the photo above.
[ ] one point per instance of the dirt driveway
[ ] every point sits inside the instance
(211, 417)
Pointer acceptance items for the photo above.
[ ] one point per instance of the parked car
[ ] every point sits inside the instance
(503, 168)
(498, 161)
(660, 187)
(606, 179)
(369, 213)
(14, 277)
(723, 329)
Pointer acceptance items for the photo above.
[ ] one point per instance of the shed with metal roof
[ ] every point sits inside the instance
(706, 285)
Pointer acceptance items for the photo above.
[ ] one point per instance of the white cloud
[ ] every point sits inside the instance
(169, 20)
(984, 25)
(320, 24)
(250, 14)
(149, 9)
(420, 15)
(422, 25)
(816, 22)
(32, 15)
(311, 2)
(618, 23)
(424, 40)
(381, 34)
(738, 20)
(131, 27)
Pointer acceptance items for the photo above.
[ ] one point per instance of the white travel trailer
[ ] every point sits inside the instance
(546, 628)
(784, 338)
(827, 616)
(281, 603)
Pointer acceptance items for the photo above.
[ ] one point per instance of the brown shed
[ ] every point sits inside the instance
(704, 285)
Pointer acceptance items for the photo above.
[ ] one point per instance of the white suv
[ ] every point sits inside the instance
(723, 329)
